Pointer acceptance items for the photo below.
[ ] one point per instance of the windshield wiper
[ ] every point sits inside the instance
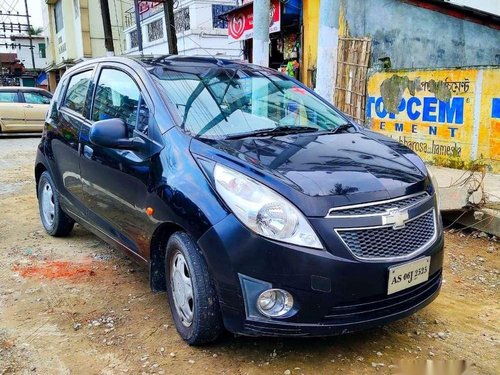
(279, 130)
(341, 128)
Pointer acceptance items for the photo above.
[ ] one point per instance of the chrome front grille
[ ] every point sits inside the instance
(376, 208)
(384, 242)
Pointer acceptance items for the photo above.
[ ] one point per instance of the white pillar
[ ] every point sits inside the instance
(328, 40)
(260, 53)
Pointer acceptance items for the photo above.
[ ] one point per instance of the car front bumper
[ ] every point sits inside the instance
(333, 294)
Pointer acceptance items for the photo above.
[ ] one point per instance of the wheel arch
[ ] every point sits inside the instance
(39, 169)
(157, 254)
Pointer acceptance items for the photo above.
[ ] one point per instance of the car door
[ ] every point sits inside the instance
(36, 105)
(63, 132)
(115, 181)
(11, 111)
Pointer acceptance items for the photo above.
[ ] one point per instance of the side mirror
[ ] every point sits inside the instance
(113, 133)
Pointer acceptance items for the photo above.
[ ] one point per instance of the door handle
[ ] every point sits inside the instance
(28, 106)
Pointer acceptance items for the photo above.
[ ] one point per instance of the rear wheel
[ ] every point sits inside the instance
(54, 220)
(191, 294)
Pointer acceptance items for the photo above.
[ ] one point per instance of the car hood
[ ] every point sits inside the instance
(347, 167)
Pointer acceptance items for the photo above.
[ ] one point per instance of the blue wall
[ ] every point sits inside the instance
(415, 37)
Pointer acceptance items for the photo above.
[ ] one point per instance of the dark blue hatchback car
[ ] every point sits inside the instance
(257, 206)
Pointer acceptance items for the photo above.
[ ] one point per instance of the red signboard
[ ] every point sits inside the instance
(145, 6)
(240, 21)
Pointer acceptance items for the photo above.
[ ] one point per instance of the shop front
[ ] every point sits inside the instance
(284, 33)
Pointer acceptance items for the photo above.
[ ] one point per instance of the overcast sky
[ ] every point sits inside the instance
(34, 9)
(490, 6)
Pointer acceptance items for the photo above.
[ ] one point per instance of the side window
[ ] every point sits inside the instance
(117, 96)
(8, 97)
(77, 91)
(36, 98)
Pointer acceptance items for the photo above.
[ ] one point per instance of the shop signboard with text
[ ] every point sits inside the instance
(443, 115)
(240, 21)
(148, 8)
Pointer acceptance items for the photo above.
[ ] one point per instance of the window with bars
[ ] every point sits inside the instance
(217, 10)
(182, 20)
(134, 41)
(155, 30)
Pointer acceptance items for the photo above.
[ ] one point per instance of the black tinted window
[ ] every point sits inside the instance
(117, 96)
(77, 91)
(8, 97)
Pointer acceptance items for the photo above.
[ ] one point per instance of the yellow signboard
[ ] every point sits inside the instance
(449, 117)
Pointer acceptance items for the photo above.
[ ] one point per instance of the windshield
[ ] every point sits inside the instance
(223, 102)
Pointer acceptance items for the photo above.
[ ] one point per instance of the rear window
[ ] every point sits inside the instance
(77, 91)
(8, 97)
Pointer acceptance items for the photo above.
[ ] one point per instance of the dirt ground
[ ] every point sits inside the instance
(75, 306)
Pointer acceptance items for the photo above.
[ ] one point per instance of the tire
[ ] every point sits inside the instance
(54, 220)
(205, 323)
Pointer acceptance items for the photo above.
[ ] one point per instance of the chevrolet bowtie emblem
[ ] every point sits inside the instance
(396, 217)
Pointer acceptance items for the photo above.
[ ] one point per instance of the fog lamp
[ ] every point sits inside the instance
(274, 302)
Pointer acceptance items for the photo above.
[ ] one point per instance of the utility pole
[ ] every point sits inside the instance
(168, 9)
(328, 40)
(138, 25)
(260, 53)
(29, 34)
(108, 32)
(1, 72)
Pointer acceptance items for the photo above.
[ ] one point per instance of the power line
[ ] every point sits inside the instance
(10, 7)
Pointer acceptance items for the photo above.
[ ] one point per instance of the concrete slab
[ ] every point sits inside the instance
(469, 198)
(459, 188)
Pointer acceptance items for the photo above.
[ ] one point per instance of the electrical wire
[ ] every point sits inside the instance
(10, 7)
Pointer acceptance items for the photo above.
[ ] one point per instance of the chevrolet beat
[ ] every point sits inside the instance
(256, 205)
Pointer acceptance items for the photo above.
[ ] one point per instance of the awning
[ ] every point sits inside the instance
(240, 20)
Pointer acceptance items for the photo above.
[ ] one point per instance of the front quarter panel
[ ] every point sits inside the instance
(188, 199)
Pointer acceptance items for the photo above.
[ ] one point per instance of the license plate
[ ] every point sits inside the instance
(408, 275)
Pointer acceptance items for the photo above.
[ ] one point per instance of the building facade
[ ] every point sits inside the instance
(10, 69)
(424, 72)
(74, 32)
(199, 30)
(21, 43)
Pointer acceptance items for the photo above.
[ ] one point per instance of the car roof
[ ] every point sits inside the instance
(180, 60)
(21, 88)
(194, 64)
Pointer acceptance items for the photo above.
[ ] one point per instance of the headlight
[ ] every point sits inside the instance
(262, 210)
(434, 185)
